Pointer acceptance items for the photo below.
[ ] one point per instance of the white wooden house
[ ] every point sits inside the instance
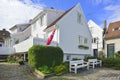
(97, 37)
(72, 33)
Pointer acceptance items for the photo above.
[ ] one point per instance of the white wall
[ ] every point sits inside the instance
(43, 42)
(70, 30)
(6, 50)
(96, 31)
(50, 15)
(37, 29)
(23, 46)
(116, 43)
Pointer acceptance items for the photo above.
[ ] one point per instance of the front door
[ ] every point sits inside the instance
(95, 52)
(0, 45)
(110, 50)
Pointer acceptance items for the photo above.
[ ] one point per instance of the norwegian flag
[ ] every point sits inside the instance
(51, 37)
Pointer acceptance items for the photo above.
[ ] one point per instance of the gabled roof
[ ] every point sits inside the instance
(19, 25)
(54, 22)
(91, 23)
(111, 33)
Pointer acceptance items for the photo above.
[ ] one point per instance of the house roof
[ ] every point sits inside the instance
(19, 25)
(54, 22)
(4, 34)
(112, 33)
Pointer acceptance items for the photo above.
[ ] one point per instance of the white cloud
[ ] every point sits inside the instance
(115, 13)
(15, 12)
(96, 2)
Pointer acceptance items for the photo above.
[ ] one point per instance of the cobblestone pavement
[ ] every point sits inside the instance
(16, 72)
(92, 74)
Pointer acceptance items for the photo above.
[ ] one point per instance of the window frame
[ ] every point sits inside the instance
(83, 40)
(79, 17)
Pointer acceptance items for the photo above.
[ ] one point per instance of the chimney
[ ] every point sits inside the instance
(105, 27)
(104, 32)
(105, 24)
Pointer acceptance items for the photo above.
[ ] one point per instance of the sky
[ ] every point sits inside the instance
(21, 11)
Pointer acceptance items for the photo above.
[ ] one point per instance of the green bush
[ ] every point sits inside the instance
(11, 59)
(116, 55)
(108, 62)
(117, 67)
(39, 55)
(101, 54)
(59, 70)
(91, 57)
(15, 58)
(45, 69)
(111, 63)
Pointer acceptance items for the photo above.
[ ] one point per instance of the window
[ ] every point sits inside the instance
(68, 57)
(80, 40)
(42, 20)
(78, 17)
(85, 40)
(115, 29)
(94, 40)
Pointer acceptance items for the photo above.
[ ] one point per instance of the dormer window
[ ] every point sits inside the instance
(115, 29)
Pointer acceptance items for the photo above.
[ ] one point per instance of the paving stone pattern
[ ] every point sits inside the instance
(17, 72)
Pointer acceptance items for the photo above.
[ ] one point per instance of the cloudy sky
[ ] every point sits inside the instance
(15, 12)
(20, 11)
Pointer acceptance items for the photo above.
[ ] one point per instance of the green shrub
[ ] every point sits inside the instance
(111, 63)
(116, 55)
(11, 59)
(117, 67)
(101, 54)
(108, 62)
(39, 55)
(59, 70)
(45, 69)
(91, 57)
(15, 58)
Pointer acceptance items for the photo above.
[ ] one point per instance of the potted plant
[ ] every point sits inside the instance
(83, 47)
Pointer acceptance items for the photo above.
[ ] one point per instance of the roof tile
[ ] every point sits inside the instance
(111, 33)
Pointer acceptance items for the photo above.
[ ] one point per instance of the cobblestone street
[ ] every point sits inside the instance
(16, 72)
